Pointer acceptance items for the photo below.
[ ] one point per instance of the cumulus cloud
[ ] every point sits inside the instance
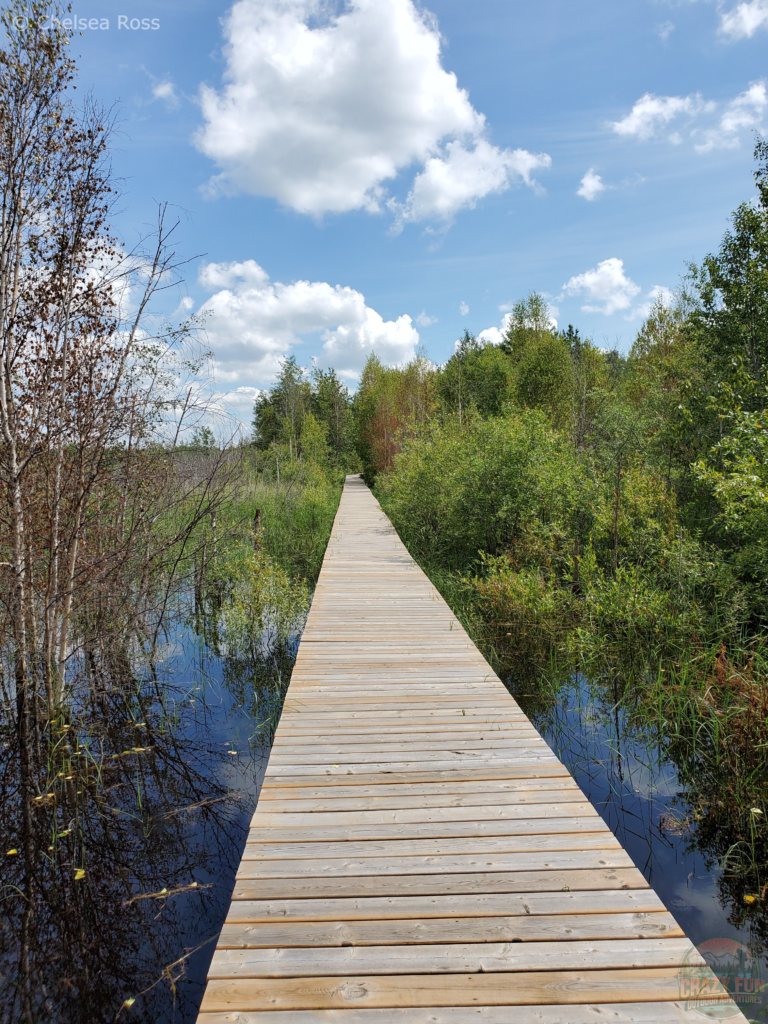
(463, 308)
(609, 290)
(495, 335)
(462, 177)
(652, 113)
(320, 110)
(423, 320)
(253, 323)
(591, 185)
(710, 125)
(741, 114)
(745, 19)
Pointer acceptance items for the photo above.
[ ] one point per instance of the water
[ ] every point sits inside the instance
(676, 815)
(156, 833)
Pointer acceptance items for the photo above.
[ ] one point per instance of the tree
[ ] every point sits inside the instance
(85, 387)
(529, 322)
(332, 406)
(732, 318)
(544, 377)
(279, 413)
(391, 404)
(477, 376)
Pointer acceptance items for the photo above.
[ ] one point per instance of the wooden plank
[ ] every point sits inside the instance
(294, 848)
(566, 794)
(460, 791)
(416, 865)
(471, 773)
(382, 766)
(529, 904)
(513, 988)
(594, 1013)
(557, 929)
(480, 831)
(343, 819)
(554, 880)
(450, 959)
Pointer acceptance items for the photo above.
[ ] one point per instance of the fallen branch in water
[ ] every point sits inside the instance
(236, 795)
(164, 894)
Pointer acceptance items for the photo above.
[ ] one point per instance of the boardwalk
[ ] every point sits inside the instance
(418, 853)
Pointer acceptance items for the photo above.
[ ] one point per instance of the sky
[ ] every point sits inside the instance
(357, 176)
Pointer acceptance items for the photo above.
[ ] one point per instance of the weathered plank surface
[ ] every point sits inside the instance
(419, 854)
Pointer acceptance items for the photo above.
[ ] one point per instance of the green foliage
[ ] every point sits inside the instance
(529, 323)
(736, 472)
(478, 377)
(279, 414)
(202, 440)
(544, 377)
(528, 617)
(264, 609)
(332, 407)
(391, 403)
(486, 486)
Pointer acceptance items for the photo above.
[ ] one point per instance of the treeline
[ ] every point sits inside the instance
(578, 501)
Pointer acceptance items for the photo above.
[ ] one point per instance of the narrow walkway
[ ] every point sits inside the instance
(419, 854)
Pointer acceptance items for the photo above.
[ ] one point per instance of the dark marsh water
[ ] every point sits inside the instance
(688, 824)
(114, 911)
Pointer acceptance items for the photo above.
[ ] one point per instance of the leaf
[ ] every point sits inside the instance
(79, 873)
(750, 899)
(129, 1003)
(11, 853)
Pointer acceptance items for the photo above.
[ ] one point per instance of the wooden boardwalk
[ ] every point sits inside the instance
(418, 853)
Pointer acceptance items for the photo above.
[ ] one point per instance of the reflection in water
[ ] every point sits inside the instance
(119, 867)
(690, 821)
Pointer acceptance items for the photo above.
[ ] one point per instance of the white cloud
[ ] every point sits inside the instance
(348, 347)
(607, 288)
(665, 30)
(449, 183)
(495, 335)
(320, 109)
(463, 308)
(166, 91)
(710, 125)
(745, 19)
(252, 323)
(423, 320)
(745, 112)
(238, 402)
(591, 185)
(651, 113)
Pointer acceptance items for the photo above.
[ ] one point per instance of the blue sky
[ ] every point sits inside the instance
(375, 174)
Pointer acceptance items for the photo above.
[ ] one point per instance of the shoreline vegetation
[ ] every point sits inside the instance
(598, 521)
